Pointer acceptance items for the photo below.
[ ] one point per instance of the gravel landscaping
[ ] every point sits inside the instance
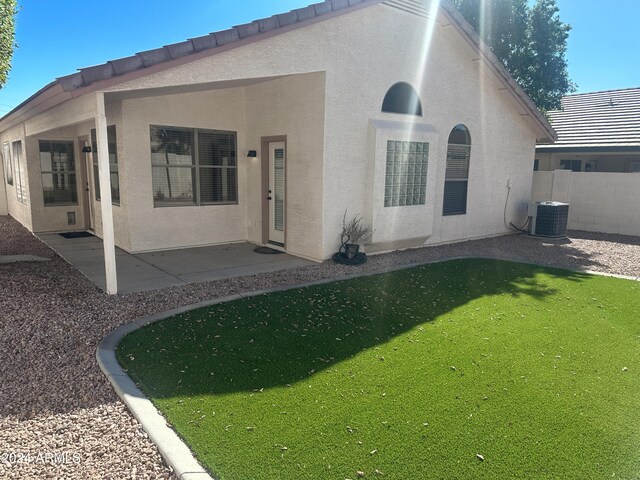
(55, 400)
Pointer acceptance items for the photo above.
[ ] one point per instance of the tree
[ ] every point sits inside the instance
(531, 42)
(8, 10)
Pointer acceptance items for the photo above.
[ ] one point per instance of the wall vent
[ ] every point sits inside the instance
(548, 219)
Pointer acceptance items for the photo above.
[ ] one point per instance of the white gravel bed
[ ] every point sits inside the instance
(55, 400)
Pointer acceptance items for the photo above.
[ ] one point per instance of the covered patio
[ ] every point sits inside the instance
(155, 270)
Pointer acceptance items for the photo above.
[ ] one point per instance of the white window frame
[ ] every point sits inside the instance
(69, 173)
(21, 172)
(404, 186)
(8, 162)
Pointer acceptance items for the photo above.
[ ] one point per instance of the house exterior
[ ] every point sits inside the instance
(267, 132)
(597, 132)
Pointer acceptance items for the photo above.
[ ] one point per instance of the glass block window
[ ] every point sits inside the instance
(112, 143)
(58, 173)
(406, 173)
(193, 166)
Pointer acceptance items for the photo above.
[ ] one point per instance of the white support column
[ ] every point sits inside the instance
(105, 194)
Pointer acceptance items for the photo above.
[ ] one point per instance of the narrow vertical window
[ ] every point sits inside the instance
(457, 174)
(58, 173)
(8, 163)
(21, 173)
(112, 143)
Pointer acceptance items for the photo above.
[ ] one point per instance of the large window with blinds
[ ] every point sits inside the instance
(457, 174)
(112, 144)
(406, 173)
(192, 166)
(58, 173)
(8, 163)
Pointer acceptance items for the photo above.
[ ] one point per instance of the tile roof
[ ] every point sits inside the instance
(597, 120)
(141, 60)
(93, 78)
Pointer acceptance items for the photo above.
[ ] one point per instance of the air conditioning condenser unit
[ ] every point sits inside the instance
(548, 219)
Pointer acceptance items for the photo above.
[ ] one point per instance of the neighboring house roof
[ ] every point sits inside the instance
(607, 120)
(116, 71)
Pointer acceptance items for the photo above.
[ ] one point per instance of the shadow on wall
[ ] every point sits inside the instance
(282, 338)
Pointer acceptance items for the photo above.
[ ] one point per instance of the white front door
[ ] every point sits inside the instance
(276, 192)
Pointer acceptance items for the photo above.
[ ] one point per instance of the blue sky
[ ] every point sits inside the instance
(56, 37)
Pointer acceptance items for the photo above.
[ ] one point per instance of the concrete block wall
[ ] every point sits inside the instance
(600, 202)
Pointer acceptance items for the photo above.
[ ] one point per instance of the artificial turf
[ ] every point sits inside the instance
(468, 369)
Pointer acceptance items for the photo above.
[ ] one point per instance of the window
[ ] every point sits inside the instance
(573, 165)
(112, 145)
(457, 173)
(406, 174)
(402, 98)
(8, 164)
(536, 165)
(58, 173)
(21, 173)
(193, 166)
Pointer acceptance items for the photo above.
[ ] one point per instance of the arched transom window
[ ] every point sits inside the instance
(457, 175)
(402, 98)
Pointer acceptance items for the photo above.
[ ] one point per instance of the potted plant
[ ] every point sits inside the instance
(354, 233)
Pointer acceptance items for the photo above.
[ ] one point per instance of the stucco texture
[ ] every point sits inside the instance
(322, 88)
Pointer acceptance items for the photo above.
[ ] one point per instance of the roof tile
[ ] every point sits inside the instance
(227, 36)
(289, 18)
(71, 82)
(267, 24)
(248, 29)
(177, 50)
(204, 43)
(339, 4)
(97, 73)
(305, 13)
(322, 8)
(125, 65)
(598, 119)
(157, 55)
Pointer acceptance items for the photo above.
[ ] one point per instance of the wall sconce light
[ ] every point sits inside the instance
(252, 154)
(86, 149)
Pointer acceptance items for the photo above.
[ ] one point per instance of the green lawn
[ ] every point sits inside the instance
(407, 375)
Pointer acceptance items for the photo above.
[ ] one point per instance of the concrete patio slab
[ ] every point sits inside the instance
(157, 270)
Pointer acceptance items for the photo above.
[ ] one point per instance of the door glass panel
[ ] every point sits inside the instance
(279, 189)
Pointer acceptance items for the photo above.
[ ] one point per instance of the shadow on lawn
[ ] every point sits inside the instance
(279, 339)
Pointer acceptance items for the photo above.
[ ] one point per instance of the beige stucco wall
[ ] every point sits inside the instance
(40, 218)
(4, 206)
(598, 202)
(339, 71)
(360, 65)
(291, 106)
(169, 227)
(454, 89)
(21, 212)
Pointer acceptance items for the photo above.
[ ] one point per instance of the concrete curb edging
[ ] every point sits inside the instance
(174, 451)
